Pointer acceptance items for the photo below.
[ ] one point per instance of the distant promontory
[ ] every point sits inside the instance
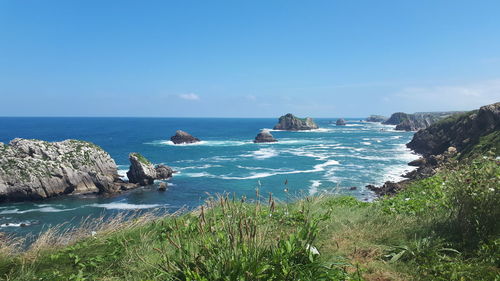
(411, 122)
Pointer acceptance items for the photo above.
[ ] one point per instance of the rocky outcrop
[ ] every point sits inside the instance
(376, 118)
(340, 122)
(289, 122)
(462, 131)
(416, 121)
(142, 172)
(35, 169)
(389, 188)
(163, 172)
(264, 136)
(396, 118)
(181, 137)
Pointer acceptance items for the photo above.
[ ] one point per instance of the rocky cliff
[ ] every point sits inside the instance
(35, 169)
(289, 122)
(453, 138)
(416, 121)
(477, 129)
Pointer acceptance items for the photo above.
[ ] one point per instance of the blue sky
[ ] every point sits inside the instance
(247, 58)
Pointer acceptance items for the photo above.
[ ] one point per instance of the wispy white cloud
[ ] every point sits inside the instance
(251, 97)
(449, 97)
(190, 96)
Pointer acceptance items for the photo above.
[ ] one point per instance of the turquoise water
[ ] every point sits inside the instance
(330, 159)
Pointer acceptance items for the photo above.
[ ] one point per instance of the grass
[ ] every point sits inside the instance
(418, 234)
(490, 142)
(141, 158)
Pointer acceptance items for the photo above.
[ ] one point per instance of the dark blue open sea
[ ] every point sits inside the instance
(330, 159)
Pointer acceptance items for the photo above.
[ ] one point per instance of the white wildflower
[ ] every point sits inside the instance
(93, 233)
(312, 249)
(407, 199)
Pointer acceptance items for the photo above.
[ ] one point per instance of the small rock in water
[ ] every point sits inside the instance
(181, 137)
(340, 122)
(353, 188)
(23, 225)
(162, 186)
(264, 136)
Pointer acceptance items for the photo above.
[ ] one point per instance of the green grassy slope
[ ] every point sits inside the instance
(440, 228)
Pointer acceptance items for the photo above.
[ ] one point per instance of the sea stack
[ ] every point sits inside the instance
(183, 137)
(289, 122)
(340, 122)
(264, 136)
(143, 172)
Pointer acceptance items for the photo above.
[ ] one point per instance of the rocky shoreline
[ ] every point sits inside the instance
(442, 142)
(35, 169)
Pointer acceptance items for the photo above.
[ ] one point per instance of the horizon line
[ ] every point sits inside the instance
(187, 117)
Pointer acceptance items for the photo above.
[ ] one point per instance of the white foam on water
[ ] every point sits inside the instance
(123, 174)
(198, 175)
(302, 152)
(319, 130)
(321, 167)
(124, 206)
(19, 224)
(218, 159)
(395, 172)
(202, 143)
(251, 176)
(313, 188)
(295, 141)
(260, 168)
(405, 154)
(317, 168)
(263, 153)
(206, 166)
(48, 209)
(366, 143)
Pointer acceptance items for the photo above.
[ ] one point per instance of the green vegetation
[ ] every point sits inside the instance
(141, 158)
(440, 228)
(490, 142)
(454, 119)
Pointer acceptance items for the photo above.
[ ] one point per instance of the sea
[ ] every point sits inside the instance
(332, 159)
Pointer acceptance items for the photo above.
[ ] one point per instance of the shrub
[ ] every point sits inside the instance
(473, 199)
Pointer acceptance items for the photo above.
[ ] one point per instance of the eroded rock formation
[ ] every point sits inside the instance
(35, 169)
(289, 122)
